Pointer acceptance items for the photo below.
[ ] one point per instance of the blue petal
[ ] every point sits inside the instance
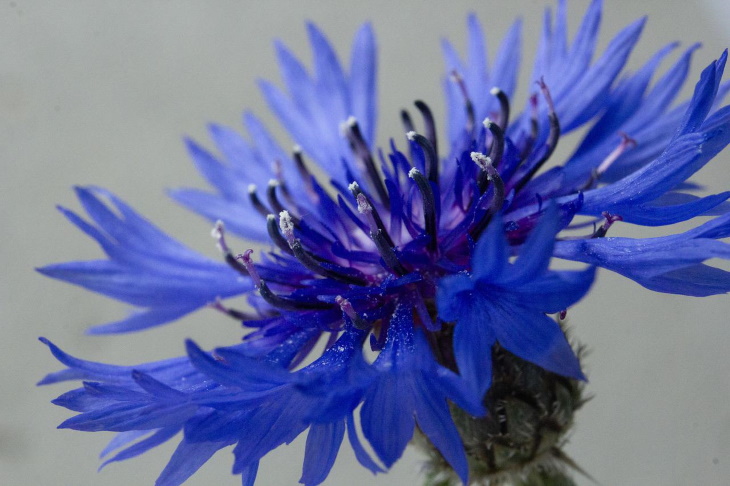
(387, 417)
(323, 443)
(187, 458)
(491, 252)
(557, 290)
(157, 438)
(434, 419)
(360, 453)
(536, 338)
(363, 81)
(534, 256)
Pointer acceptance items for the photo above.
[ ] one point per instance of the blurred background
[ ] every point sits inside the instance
(101, 93)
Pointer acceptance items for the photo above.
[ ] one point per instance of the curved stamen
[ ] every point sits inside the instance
(429, 123)
(256, 202)
(503, 105)
(429, 207)
(406, 120)
(381, 239)
(552, 141)
(304, 173)
(276, 238)
(347, 308)
(497, 141)
(362, 151)
(432, 165)
(468, 105)
(372, 216)
(497, 201)
(218, 232)
(483, 162)
(352, 276)
(276, 205)
(270, 297)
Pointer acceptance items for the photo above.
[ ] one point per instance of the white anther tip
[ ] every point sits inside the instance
(297, 149)
(411, 135)
(286, 225)
(495, 91)
(487, 122)
(217, 230)
(351, 121)
(481, 160)
(251, 188)
(273, 182)
(354, 186)
(413, 173)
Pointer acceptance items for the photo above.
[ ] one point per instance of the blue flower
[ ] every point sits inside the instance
(429, 254)
(507, 302)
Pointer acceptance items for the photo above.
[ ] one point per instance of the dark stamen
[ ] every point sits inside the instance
(362, 151)
(432, 164)
(381, 239)
(497, 141)
(273, 229)
(503, 105)
(276, 205)
(468, 105)
(497, 201)
(405, 118)
(256, 202)
(347, 308)
(429, 123)
(483, 178)
(287, 228)
(273, 299)
(429, 207)
(553, 137)
(373, 217)
(304, 173)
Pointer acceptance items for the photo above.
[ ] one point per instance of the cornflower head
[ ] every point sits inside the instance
(423, 267)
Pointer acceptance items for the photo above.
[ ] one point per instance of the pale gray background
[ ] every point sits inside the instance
(101, 92)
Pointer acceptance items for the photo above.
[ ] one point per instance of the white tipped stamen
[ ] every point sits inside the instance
(483, 161)
(413, 173)
(217, 231)
(495, 91)
(297, 149)
(351, 121)
(487, 123)
(273, 183)
(363, 206)
(411, 135)
(252, 188)
(287, 226)
(354, 187)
